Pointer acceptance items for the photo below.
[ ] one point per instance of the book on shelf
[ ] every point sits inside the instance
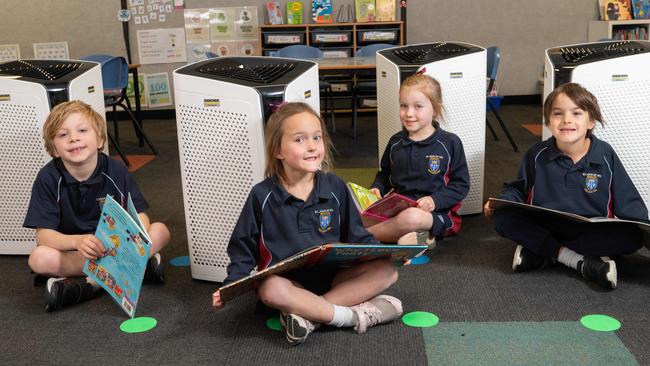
(615, 9)
(497, 203)
(364, 10)
(321, 11)
(294, 12)
(121, 270)
(342, 254)
(385, 11)
(378, 208)
(274, 12)
(641, 9)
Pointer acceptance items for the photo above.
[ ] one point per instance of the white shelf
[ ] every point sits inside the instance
(600, 29)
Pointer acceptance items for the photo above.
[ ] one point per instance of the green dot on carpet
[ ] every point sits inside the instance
(138, 325)
(420, 319)
(274, 323)
(600, 323)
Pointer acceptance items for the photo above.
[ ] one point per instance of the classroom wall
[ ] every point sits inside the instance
(522, 29)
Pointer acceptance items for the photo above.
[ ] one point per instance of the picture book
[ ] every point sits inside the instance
(322, 11)
(617, 9)
(294, 12)
(385, 11)
(497, 203)
(376, 208)
(274, 12)
(364, 10)
(641, 9)
(121, 270)
(331, 254)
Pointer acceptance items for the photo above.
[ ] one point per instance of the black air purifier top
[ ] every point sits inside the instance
(572, 56)
(44, 71)
(249, 71)
(421, 54)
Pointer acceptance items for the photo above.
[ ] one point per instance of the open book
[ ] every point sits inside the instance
(497, 203)
(331, 254)
(120, 272)
(379, 209)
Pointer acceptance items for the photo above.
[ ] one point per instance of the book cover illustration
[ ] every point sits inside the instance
(641, 9)
(497, 203)
(379, 209)
(294, 12)
(331, 253)
(365, 10)
(274, 12)
(322, 11)
(121, 271)
(385, 11)
(617, 9)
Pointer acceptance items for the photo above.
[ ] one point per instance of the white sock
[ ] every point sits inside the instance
(343, 317)
(569, 258)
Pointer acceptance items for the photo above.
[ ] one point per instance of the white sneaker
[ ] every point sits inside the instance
(379, 310)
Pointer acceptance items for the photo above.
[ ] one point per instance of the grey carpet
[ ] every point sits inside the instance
(467, 282)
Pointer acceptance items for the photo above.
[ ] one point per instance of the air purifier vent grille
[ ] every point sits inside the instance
(262, 73)
(430, 52)
(39, 69)
(599, 51)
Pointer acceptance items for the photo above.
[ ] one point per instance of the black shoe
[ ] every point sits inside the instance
(155, 271)
(60, 292)
(603, 273)
(525, 260)
(296, 328)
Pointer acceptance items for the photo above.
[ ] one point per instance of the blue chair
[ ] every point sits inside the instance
(301, 51)
(210, 55)
(115, 77)
(366, 85)
(493, 59)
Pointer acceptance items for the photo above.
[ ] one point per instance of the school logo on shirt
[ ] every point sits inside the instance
(434, 163)
(591, 182)
(324, 220)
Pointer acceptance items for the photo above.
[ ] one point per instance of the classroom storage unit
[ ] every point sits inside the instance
(617, 73)
(222, 105)
(28, 91)
(334, 39)
(460, 70)
(618, 29)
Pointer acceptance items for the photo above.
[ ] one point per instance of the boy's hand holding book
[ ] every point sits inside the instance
(90, 246)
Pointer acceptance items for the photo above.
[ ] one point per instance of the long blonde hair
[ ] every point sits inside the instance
(275, 130)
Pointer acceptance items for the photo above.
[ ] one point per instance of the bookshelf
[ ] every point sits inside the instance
(619, 29)
(334, 39)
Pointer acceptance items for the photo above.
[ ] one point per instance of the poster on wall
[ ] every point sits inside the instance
(130, 93)
(9, 52)
(157, 86)
(51, 51)
(161, 46)
(232, 31)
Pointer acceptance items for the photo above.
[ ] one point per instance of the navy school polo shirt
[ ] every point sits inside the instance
(595, 186)
(275, 225)
(60, 202)
(435, 167)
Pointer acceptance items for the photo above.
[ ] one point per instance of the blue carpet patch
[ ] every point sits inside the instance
(523, 343)
(182, 261)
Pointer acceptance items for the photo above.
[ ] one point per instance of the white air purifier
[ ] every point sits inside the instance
(618, 74)
(460, 68)
(222, 105)
(28, 91)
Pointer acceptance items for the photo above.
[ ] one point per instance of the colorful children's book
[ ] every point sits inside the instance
(379, 209)
(322, 11)
(497, 203)
(294, 12)
(121, 271)
(617, 9)
(274, 12)
(385, 11)
(365, 10)
(331, 254)
(641, 9)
